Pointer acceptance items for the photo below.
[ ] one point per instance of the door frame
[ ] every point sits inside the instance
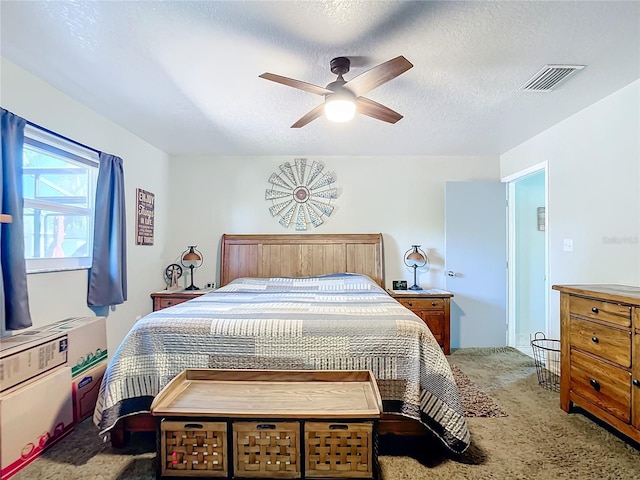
(512, 263)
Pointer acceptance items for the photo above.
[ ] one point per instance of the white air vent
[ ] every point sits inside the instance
(549, 77)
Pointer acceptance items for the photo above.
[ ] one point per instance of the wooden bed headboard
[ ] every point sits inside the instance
(301, 255)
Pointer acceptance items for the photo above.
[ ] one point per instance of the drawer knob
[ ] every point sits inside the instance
(410, 304)
(594, 309)
(594, 383)
(594, 339)
(433, 304)
(636, 382)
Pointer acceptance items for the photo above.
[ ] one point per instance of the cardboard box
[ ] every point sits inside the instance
(33, 417)
(30, 354)
(87, 337)
(85, 389)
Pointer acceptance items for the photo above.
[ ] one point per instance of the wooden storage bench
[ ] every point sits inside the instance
(268, 424)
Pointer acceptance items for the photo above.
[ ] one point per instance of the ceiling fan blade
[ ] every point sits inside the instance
(376, 76)
(375, 110)
(290, 82)
(309, 117)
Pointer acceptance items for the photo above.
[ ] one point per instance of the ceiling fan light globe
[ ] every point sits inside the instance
(339, 110)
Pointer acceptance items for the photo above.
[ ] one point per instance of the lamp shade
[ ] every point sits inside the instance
(415, 258)
(191, 258)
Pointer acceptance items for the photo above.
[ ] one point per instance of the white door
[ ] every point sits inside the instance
(476, 262)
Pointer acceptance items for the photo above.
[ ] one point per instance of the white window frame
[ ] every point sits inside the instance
(54, 145)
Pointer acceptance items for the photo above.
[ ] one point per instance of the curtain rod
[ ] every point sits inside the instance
(62, 137)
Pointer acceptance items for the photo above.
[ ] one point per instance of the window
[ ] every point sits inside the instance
(59, 185)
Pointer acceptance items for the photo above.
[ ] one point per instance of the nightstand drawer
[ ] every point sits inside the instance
(168, 302)
(166, 299)
(422, 303)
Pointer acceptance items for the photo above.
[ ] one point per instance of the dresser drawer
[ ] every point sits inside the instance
(606, 342)
(602, 384)
(602, 311)
(422, 303)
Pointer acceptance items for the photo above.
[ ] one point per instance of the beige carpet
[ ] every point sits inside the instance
(535, 440)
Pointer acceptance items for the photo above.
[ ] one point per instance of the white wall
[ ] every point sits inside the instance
(594, 193)
(400, 197)
(55, 296)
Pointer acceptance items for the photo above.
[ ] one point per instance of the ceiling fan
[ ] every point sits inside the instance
(343, 98)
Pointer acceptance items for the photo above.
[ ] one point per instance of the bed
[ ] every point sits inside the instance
(291, 302)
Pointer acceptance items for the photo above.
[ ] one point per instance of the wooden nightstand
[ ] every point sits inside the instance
(165, 298)
(432, 306)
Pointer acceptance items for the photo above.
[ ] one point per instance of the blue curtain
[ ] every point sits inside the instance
(108, 273)
(14, 269)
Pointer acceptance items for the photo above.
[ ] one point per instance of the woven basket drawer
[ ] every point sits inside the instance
(336, 450)
(266, 449)
(193, 449)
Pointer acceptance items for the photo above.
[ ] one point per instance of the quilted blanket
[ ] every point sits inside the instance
(331, 322)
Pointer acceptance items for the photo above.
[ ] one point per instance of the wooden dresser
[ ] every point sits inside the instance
(600, 353)
(432, 306)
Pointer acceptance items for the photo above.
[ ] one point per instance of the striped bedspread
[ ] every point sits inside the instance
(339, 322)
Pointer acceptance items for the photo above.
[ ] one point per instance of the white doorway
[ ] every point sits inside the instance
(528, 265)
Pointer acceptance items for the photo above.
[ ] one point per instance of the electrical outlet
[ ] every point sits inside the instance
(568, 245)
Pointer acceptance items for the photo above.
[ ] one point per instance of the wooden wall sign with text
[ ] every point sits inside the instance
(145, 202)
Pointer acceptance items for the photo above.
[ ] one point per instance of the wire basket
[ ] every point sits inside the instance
(546, 355)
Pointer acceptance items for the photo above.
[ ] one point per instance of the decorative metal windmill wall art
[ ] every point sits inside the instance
(301, 195)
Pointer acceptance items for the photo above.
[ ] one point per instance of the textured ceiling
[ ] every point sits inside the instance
(184, 75)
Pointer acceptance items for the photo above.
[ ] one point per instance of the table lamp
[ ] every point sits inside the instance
(415, 258)
(192, 259)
